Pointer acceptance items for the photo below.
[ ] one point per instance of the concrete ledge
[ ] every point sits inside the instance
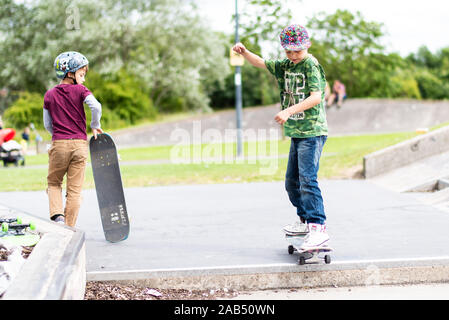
(355, 273)
(406, 152)
(55, 269)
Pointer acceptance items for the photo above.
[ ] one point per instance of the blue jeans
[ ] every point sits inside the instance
(301, 178)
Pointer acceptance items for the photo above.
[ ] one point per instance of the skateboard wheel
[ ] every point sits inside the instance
(32, 226)
(327, 259)
(302, 260)
(5, 227)
(291, 249)
(19, 220)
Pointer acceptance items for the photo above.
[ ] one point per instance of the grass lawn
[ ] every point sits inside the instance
(160, 165)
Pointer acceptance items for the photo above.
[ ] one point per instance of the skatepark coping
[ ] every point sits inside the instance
(55, 269)
(282, 276)
(406, 152)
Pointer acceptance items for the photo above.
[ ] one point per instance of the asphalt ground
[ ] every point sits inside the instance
(239, 225)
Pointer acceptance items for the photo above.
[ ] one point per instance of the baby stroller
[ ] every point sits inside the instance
(10, 150)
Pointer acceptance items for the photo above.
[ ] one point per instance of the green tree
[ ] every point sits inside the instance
(258, 86)
(350, 49)
(431, 72)
(179, 57)
(431, 86)
(262, 21)
(162, 42)
(123, 98)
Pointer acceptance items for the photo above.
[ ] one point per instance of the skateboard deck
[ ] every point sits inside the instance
(311, 255)
(25, 240)
(109, 187)
(14, 232)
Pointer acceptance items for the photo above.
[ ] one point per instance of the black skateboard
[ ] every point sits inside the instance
(109, 187)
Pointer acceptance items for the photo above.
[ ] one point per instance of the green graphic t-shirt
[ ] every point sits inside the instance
(295, 84)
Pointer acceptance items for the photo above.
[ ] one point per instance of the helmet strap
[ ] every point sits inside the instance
(73, 79)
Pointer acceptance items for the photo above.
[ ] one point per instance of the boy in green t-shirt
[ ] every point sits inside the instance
(301, 81)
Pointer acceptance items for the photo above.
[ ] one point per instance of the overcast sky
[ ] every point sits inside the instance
(408, 24)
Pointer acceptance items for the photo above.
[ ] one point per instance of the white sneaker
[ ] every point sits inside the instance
(60, 219)
(316, 238)
(297, 228)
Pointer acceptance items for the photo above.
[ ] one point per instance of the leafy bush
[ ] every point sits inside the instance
(430, 86)
(259, 87)
(122, 96)
(404, 88)
(401, 84)
(123, 100)
(27, 108)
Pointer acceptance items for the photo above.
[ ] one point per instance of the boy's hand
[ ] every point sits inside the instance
(239, 48)
(282, 116)
(252, 58)
(96, 132)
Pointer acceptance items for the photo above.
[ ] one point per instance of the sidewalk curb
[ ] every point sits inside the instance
(406, 152)
(55, 269)
(279, 276)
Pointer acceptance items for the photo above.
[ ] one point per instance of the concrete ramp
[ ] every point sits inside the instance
(426, 180)
(357, 116)
(365, 116)
(407, 152)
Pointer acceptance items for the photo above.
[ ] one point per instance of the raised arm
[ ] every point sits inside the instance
(252, 58)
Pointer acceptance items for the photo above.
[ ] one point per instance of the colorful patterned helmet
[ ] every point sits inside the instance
(295, 38)
(69, 61)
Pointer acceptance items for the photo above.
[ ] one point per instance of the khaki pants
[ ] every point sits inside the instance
(66, 157)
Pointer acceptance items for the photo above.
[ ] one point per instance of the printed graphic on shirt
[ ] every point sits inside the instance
(294, 84)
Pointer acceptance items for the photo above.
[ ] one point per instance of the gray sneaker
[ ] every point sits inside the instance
(297, 228)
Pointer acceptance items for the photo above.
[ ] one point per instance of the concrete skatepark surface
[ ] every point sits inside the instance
(209, 226)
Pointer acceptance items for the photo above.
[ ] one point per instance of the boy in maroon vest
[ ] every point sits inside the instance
(65, 119)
